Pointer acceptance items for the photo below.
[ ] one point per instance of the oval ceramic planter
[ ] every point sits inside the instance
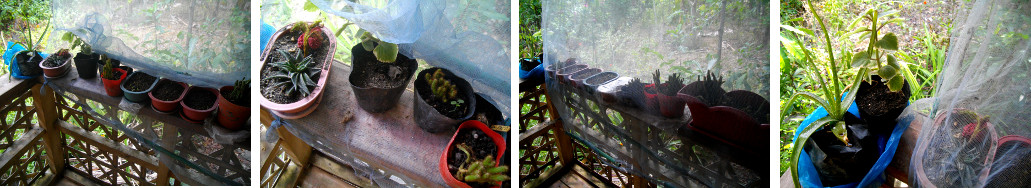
(137, 97)
(374, 99)
(471, 124)
(230, 115)
(112, 86)
(293, 110)
(55, 72)
(576, 79)
(922, 147)
(563, 74)
(427, 117)
(167, 107)
(197, 115)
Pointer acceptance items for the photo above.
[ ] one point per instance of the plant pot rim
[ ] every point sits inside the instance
(229, 102)
(600, 74)
(186, 87)
(213, 105)
(412, 64)
(66, 62)
(469, 124)
(321, 85)
(120, 78)
(152, 84)
(918, 162)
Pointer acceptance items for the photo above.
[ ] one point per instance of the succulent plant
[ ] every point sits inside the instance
(309, 38)
(712, 90)
(240, 88)
(441, 88)
(294, 73)
(480, 171)
(672, 85)
(108, 72)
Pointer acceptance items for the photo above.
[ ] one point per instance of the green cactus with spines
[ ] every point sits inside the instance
(480, 171)
(108, 72)
(441, 88)
(240, 88)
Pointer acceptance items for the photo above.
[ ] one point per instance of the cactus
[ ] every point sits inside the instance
(672, 85)
(441, 88)
(240, 88)
(480, 171)
(108, 72)
(295, 73)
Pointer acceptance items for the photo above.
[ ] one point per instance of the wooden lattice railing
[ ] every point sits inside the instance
(22, 161)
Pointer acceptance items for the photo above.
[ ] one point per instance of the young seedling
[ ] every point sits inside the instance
(444, 90)
(879, 47)
(295, 73)
(480, 171)
(63, 54)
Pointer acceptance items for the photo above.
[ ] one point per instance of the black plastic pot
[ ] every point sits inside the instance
(375, 99)
(431, 120)
(488, 110)
(28, 65)
(838, 164)
(884, 122)
(86, 65)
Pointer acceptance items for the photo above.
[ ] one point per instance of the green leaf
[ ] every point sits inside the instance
(67, 36)
(887, 72)
(888, 42)
(860, 59)
(368, 44)
(386, 52)
(799, 143)
(840, 132)
(308, 6)
(892, 61)
(895, 84)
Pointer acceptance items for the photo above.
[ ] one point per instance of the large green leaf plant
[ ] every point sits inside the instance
(835, 100)
(878, 53)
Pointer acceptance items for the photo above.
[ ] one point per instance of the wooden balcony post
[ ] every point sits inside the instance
(46, 112)
(168, 139)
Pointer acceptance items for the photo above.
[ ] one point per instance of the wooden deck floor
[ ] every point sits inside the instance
(577, 176)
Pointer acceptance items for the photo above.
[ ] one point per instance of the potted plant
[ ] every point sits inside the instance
(293, 78)
(831, 132)
(723, 115)
(959, 152)
(234, 105)
(591, 83)
(472, 156)
(198, 103)
(137, 85)
(56, 65)
(28, 61)
(632, 95)
(85, 61)
(165, 97)
(576, 79)
(883, 96)
(379, 75)
(442, 100)
(664, 95)
(112, 78)
(563, 74)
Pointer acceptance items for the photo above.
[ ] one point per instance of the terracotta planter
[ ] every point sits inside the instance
(56, 72)
(293, 110)
(198, 115)
(140, 96)
(112, 86)
(576, 79)
(940, 131)
(563, 74)
(729, 125)
(374, 99)
(163, 106)
(431, 120)
(230, 115)
(471, 124)
(86, 65)
(1011, 163)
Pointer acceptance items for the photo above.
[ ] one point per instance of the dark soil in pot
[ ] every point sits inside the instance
(481, 144)
(53, 62)
(434, 115)
(288, 41)
(838, 163)
(139, 82)
(377, 85)
(600, 78)
(243, 101)
(879, 106)
(168, 91)
(200, 99)
(28, 65)
(528, 64)
(117, 74)
(1010, 168)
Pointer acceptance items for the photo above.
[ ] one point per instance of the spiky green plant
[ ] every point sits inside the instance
(480, 171)
(672, 85)
(294, 73)
(240, 88)
(441, 88)
(108, 72)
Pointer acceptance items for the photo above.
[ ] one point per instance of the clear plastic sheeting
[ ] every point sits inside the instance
(203, 43)
(470, 38)
(649, 131)
(977, 126)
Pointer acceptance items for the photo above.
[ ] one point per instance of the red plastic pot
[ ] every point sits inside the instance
(197, 114)
(55, 72)
(167, 106)
(112, 86)
(230, 115)
(471, 124)
(300, 108)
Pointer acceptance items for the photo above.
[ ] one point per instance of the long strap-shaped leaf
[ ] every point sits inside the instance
(797, 146)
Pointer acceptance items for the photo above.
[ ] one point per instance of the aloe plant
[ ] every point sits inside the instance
(834, 100)
(480, 171)
(879, 48)
(294, 73)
